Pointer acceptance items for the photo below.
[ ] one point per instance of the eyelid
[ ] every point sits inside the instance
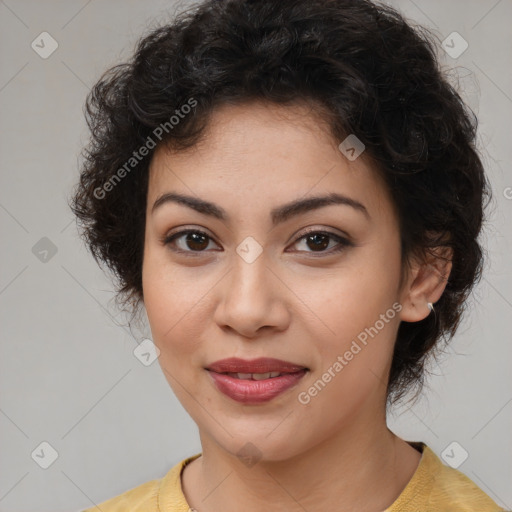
(173, 235)
(315, 229)
(296, 237)
(344, 240)
(183, 229)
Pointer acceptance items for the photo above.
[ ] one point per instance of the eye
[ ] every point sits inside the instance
(195, 241)
(319, 240)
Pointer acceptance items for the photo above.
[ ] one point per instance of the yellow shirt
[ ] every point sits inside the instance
(434, 487)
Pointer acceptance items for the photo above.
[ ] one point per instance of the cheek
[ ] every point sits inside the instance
(355, 316)
(167, 306)
(353, 362)
(351, 298)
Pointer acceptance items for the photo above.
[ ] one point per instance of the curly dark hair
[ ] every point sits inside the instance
(365, 70)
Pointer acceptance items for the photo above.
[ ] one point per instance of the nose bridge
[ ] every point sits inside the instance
(249, 273)
(249, 299)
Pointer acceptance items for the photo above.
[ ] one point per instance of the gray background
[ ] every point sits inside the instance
(68, 373)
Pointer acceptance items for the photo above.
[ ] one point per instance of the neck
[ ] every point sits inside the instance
(362, 467)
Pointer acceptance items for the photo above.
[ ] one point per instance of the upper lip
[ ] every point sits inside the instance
(260, 365)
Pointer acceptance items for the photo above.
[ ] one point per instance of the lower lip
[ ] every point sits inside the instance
(255, 391)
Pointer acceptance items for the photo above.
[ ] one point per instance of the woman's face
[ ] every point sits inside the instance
(253, 285)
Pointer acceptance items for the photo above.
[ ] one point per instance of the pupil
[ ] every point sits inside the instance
(193, 238)
(316, 238)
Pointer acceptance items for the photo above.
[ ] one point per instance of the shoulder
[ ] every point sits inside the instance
(453, 490)
(153, 496)
(140, 499)
(437, 487)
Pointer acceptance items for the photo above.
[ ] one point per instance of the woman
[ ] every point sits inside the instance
(291, 191)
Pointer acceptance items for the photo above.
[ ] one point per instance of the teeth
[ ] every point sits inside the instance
(244, 375)
(254, 376)
(260, 376)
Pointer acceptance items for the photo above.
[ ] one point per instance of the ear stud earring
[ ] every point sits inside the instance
(430, 306)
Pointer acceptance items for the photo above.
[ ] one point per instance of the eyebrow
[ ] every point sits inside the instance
(278, 215)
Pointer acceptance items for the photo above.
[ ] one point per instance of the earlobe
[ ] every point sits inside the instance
(426, 285)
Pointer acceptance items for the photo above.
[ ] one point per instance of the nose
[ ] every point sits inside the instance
(252, 298)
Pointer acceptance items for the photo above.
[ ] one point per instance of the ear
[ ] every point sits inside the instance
(425, 283)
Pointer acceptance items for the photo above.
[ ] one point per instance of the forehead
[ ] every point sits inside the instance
(258, 150)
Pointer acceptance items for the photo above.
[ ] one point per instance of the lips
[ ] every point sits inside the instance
(255, 391)
(260, 365)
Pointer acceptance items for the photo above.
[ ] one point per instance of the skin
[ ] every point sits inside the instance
(294, 302)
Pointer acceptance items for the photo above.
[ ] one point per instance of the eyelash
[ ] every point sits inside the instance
(343, 242)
